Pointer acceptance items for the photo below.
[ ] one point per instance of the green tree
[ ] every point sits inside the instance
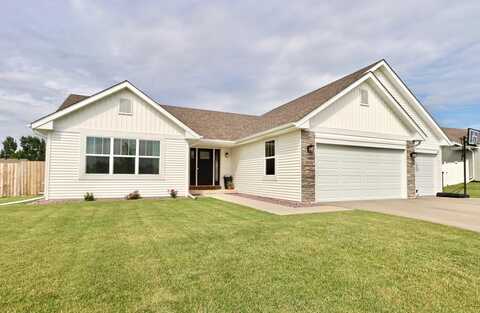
(9, 148)
(32, 148)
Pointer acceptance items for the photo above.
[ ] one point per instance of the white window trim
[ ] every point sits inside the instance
(111, 175)
(271, 157)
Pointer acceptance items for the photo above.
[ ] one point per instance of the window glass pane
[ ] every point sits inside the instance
(91, 145)
(98, 145)
(124, 146)
(132, 144)
(204, 155)
(123, 165)
(149, 148)
(148, 166)
(97, 165)
(106, 145)
(117, 143)
(270, 148)
(270, 166)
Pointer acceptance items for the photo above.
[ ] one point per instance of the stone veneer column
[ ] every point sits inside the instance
(308, 166)
(411, 188)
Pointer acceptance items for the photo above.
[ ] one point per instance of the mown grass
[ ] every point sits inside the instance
(473, 189)
(212, 256)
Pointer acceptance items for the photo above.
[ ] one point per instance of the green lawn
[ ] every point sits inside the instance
(473, 189)
(11, 199)
(210, 256)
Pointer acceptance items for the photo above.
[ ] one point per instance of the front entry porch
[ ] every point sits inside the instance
(204, 169)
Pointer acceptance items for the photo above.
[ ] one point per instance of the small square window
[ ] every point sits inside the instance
(364, 97)
(125, 107)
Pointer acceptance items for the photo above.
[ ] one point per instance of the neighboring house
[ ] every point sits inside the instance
(355, 138)
(452, 167)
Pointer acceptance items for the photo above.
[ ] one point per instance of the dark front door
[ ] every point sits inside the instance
(205, 167)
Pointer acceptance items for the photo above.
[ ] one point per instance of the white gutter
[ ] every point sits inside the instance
(281, 128)
(213, 142)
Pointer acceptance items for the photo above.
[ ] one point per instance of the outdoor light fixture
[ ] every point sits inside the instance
(310, 148)
(413, 155)
(227, 155)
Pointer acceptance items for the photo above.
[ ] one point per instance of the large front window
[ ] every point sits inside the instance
(122, 156)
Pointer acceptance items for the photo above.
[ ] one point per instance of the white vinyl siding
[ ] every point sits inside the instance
(103, 115)
(67, 182)
(358, 173)
(431, 141)
(346, 113)
(248, 166)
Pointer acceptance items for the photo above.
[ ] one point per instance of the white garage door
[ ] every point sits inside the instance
(358, 173)
(424, 174)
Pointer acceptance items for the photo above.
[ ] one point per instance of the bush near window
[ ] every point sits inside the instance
(133, 195)
(89, 196)
(173, 193)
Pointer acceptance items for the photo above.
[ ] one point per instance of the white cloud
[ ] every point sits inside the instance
(246, 56)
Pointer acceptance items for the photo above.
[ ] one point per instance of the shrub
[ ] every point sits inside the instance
(173, 193)
(89, 196)
(133, 195)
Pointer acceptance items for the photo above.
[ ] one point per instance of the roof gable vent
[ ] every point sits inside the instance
(364, 97)
(125, 107)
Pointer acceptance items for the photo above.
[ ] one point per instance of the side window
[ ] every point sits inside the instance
(270, 157)
(97, 155)
(149, 157)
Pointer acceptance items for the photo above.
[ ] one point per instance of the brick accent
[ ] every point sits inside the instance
(411, 188)
(308, 166)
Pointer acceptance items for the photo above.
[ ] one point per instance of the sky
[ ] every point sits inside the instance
(237, 56)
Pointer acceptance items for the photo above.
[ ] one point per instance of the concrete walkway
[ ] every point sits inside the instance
(276, 208)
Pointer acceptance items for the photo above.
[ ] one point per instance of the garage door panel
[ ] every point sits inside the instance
(424, 174)
(350, 173)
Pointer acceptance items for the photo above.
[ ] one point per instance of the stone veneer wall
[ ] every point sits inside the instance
(308, 166)
(411, 188)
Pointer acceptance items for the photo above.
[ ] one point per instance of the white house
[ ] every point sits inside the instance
(363, 136)
(452, 167)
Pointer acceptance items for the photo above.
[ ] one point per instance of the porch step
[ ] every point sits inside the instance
(204, 192)
(205, 187)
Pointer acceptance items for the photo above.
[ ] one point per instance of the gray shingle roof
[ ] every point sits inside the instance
(234, 126)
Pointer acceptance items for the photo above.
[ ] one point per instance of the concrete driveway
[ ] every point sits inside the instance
(462, 213)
